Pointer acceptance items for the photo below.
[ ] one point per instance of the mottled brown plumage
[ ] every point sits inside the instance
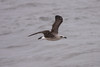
(46, 33)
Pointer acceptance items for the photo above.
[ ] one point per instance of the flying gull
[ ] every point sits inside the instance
(53, 34)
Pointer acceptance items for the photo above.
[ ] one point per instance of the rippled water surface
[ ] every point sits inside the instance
(81, 25)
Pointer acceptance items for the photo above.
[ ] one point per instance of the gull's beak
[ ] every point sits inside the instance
(65, 37)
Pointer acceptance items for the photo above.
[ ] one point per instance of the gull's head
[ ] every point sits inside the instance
(61, 36)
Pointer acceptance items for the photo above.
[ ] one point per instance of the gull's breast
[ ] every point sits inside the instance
(54, 38)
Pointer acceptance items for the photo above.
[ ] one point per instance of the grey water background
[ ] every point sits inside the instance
(81, 25)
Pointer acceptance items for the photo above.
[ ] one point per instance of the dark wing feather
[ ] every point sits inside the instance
(34, 34)
(55, 26)
(46, 33)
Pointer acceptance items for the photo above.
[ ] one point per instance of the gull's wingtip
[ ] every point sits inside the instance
(30, 35)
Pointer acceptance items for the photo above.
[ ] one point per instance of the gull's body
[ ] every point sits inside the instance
(53, 34)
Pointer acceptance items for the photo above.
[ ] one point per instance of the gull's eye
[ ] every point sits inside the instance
(61, 36)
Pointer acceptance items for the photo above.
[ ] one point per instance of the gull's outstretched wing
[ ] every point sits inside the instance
(34, 34)
(55, 26)
(46, 33)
